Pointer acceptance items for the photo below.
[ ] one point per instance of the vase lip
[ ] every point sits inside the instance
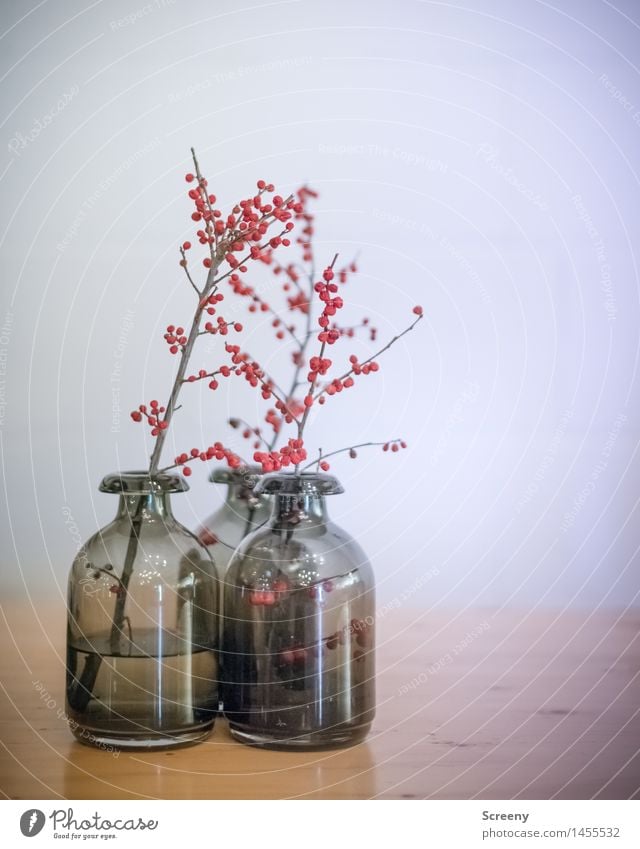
(140, 482)
(290, 483)
(245, 474)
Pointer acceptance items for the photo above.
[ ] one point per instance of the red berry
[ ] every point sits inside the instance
(189, 178)
(136, 416)
(186, 471)
(417, 310)
(186, 246)
(325, 466)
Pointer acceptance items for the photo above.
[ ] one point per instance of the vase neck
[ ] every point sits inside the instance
(146, 506)
(299, 509)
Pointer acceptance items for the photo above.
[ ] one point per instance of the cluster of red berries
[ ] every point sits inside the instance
(217, 451)
(222, 327)
(326, 291)
(153, 415)
(248, 221)
(290, 454)
(249, 369)
(299, 301)
(394, 445)
(209, 304)
(248, 432)
(350, 332)
(272, 418)
(269, 595)
(257, 303)
(290, 410)
(175, 338)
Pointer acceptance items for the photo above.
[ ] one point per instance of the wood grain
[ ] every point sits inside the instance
(473, 704)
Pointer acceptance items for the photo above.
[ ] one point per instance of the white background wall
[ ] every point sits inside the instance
(483, 159)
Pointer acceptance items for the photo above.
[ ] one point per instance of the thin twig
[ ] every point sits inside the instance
(372, 357)
(348, 448)
(186, 271)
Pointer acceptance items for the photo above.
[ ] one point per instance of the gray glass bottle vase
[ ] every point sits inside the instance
(298, 645)
(241, 513)
(142, 636)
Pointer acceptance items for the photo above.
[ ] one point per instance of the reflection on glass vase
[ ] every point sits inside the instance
(142, 632)
(298, 645)
(242, 512)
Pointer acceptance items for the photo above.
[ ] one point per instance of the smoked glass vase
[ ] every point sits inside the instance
(142, 637)
(298, 643)
(241, 513)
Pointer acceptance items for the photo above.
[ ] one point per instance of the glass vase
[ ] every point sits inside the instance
(142, 667)
(298, 643)
(241, 513)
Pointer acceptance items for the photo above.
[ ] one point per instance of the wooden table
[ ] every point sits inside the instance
(471, 704)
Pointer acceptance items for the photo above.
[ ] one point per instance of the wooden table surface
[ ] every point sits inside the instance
(471, 704)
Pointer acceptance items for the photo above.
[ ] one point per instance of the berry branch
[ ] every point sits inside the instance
(303, 292)
(247, 225)
(393, 444)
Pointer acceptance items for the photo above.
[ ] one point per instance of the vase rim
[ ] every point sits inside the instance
(290, 483)
(142, 483)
